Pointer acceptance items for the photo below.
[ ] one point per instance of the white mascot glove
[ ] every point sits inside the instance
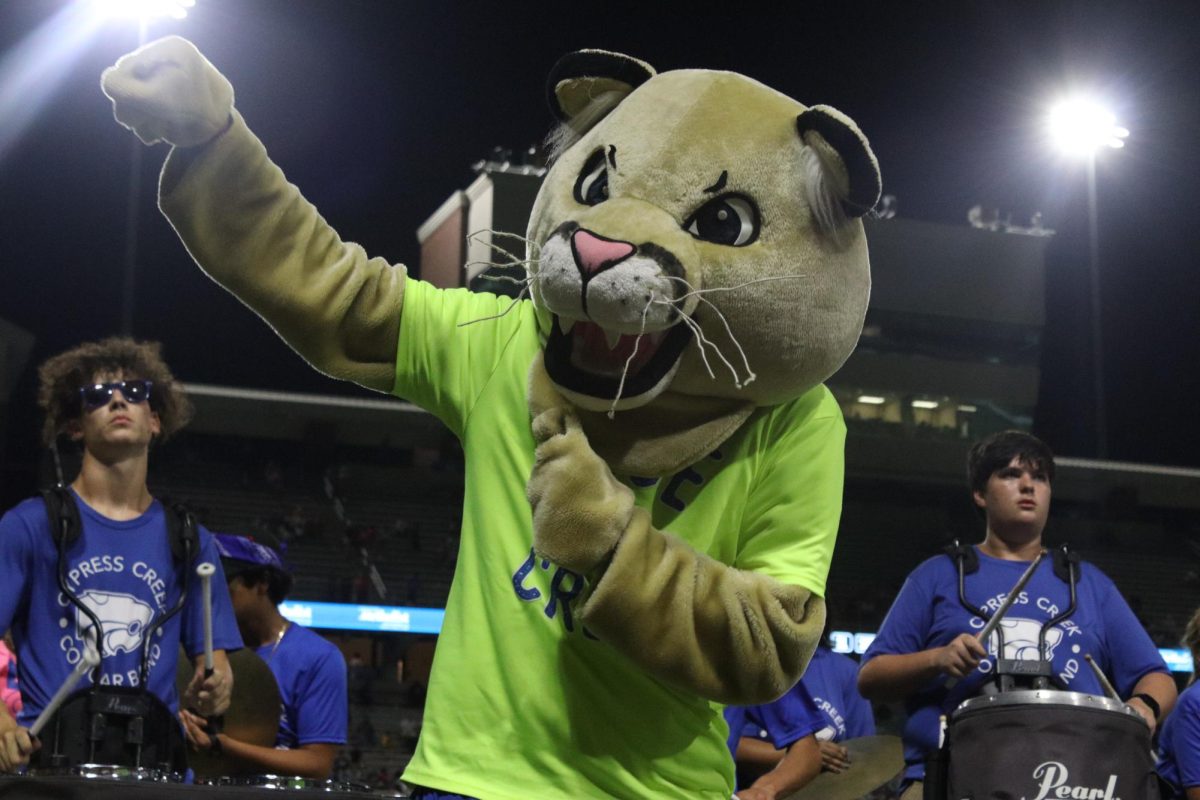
(167, 91)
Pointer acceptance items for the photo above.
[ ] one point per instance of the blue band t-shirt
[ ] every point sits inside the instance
(832, 681)
(1179, 743)
(124, 572)
(781, 722)
(311, 674)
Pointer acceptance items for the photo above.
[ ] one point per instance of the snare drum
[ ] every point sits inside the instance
(285, 782)
(1048, 744)
(111, 725)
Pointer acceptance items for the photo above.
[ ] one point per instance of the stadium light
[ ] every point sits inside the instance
(1082, 125)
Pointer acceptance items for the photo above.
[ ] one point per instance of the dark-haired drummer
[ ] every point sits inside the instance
(309, 670)
(928, 637)
(115, 397)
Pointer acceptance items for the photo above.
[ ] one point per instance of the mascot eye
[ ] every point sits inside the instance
(592, 187)
(730, 219)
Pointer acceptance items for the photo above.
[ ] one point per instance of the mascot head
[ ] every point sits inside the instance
(697, 235)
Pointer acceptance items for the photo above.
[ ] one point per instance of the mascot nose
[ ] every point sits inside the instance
(594, 254)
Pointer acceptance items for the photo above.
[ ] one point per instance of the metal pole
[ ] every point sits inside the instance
(132, 208)
(129, 276)
(1097, 341)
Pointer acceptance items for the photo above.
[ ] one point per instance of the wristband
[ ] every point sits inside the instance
(212, 727)
(1151, 704)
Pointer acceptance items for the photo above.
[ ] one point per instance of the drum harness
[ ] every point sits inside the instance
(1037, 672)
(1008, 671)
(115, 705)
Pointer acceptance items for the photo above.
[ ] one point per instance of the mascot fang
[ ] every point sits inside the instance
(653, 468)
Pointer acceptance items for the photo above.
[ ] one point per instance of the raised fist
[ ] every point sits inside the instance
(168, 92)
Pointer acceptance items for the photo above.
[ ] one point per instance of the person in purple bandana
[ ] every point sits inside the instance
(310, 671)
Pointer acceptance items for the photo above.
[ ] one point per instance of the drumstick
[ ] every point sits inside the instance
(206, 571)
(1008, 601)
(1100, 676)
(1109, 689)
(87, 661)
(992, 623)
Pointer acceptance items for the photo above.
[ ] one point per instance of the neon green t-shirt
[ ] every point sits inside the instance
(523, 701)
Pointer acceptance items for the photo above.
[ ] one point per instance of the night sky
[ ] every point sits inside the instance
(376, 110)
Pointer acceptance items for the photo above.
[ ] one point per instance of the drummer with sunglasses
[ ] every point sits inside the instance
(928, 653)
(114, 398)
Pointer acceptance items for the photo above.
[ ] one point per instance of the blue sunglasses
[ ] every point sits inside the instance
(100, 394)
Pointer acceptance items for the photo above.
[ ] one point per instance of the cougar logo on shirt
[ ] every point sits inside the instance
(123, 619)
(1021, 639)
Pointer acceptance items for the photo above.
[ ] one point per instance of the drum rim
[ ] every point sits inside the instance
(1055, 697)
(260, 781)
(110, 772)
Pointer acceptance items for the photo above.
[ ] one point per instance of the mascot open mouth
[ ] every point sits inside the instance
(585, 360)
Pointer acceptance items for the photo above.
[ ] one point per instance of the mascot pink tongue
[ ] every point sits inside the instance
(700, 218)
(591, 350)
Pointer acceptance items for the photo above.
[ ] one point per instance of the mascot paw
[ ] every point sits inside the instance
(553, 422)
(167, 91)
(580, 509)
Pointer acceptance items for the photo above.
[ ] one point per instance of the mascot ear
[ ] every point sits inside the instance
(585, 75)
(845, 157)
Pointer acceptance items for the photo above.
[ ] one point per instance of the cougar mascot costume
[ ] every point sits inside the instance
(653, 468)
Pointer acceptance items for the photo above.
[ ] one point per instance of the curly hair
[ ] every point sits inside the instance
(61, 377)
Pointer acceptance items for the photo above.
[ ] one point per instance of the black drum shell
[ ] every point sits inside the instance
(1009, 746)
(128, 716)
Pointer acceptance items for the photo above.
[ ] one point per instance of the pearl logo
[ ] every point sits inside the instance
(1052, 777)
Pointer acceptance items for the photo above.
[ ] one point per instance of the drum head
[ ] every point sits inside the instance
(1029, 698)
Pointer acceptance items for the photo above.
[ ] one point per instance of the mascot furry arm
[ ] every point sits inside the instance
(250, 229)
(727, 634)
